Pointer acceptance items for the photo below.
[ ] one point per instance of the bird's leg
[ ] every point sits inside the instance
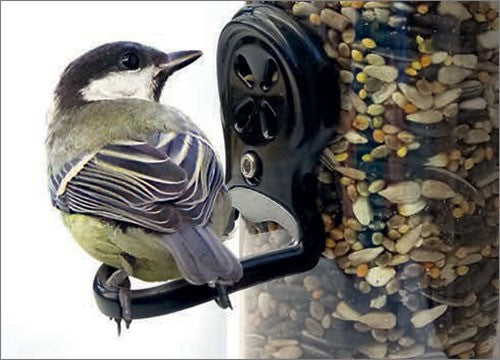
(117, 278)
(223, 297)
(120, 280)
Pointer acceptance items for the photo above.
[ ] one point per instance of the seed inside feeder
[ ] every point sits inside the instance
(411, 267)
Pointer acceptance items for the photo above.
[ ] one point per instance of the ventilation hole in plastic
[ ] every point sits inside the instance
(268, 121)
(243, 114)
(243, 70)
(271, 75)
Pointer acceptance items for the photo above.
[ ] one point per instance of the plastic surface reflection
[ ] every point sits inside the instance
(410, 270)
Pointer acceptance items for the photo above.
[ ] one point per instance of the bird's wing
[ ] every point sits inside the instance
(159, 183)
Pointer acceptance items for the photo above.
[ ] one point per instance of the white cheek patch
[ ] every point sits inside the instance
(121, 84)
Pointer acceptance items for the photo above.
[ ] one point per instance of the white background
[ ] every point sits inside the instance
(48, 308)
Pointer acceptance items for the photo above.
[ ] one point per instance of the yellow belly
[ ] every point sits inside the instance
(105, 242)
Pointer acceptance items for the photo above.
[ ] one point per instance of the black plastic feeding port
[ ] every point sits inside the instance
(280, 98)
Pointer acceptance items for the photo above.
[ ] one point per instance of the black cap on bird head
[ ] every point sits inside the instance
(119, 70)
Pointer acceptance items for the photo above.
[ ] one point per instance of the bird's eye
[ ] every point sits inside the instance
(130, 61)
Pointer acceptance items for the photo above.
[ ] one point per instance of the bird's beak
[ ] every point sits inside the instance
(171, 62)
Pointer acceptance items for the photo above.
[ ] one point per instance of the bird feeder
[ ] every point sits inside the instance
(275, 87)
(362, 157)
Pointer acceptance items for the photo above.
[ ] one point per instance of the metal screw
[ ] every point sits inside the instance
(248, 165)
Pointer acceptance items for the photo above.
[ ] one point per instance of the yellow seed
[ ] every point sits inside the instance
(416, 65)
(402, 151)
(330, 243)
(410, 108)
(341, 157)
(367, 158)
(468, 163)
(393, 234)
(448, 61)
(461, 253)
(465, 207)
(327, 219)
(375, 109)
(361, 77)
(425, 60)
(357, 55)
(479, 17)
(378, 136)
(457, 213)
(345, 3)
(350, 236)
(337, 234)
(368, 43)
(483, 76)
(403, 229)
(419, 39)
(377, 122)
(362, 94)
(354, 224)
(422, 9)
(434, 272)
(315, 19)
(344, 180)
(455, 155)
(362, 270)
(357, 246)
(406, 137)
(425, 46)
(410, 71)
(462, 270)
(486, 251)
(377, 238)
(399, 99)
(361, 122)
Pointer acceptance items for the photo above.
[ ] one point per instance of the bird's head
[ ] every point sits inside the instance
(119, 70)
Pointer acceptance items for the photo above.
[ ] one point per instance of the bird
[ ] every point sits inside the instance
(137, 183)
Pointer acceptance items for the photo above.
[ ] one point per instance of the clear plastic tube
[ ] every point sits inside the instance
(410, 269)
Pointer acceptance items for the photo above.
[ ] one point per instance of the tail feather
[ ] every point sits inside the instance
(201, 256)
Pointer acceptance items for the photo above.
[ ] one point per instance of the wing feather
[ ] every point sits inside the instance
(158, 184)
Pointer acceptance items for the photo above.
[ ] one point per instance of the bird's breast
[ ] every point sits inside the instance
(106, 240)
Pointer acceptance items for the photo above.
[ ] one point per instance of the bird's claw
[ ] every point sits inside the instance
(223, 298)
(125, 299)
(119, 325)
(119, 280)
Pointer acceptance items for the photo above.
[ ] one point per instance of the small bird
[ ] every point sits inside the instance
(138, 184)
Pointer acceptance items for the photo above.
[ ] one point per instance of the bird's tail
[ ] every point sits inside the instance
(201, 256)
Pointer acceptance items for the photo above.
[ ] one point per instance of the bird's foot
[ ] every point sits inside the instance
(223, 297)
(119, 280)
